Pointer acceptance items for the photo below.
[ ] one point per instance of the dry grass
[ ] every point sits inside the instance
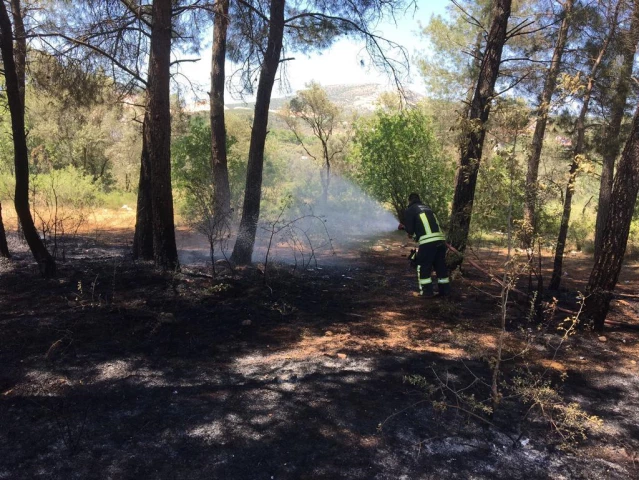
(100, 220)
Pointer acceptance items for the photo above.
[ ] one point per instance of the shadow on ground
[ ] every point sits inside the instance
(114, 370)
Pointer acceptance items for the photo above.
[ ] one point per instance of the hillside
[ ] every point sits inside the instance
(352, 98)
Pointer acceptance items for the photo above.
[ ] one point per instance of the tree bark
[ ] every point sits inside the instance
(45, 261)
(580, 127)
(243, 250)
(20, 49)
(20, 56)
(4, 248)
(550, 84)
(143, 237)
(222, 207)
(611, 142)
(158, 137)
(475, 130)
(608, 262)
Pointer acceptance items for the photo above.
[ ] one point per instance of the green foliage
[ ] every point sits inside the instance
(447, 68)
(69, 187)
(396, 154)
(191, 169)
(116, 199)
(568, 419)
(314, 103)
(322, 117)
(63, 201)
(492, 195)
(581, 233)
(191, 166)
(7, 185)
(632, 250)
(76, 118)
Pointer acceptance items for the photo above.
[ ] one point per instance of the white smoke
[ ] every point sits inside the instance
(305, 232)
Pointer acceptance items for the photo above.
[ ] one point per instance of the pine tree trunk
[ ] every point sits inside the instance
(20, 56)
(45, 261)
(612, 142)
(608, 262)
(550, 84)
(555, 280)
(20, 49)
(578, 151)
(473, 140)
(143, 238)
(158, 137)
(218, 130)
(243, 250)
(4, 248)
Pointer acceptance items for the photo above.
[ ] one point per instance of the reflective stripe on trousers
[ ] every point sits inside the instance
(423, 281)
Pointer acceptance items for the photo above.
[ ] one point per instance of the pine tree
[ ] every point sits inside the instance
(474, 127)
(608, 262)
(15, 95)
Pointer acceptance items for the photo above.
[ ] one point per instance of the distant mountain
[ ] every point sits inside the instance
(362, 97)
(353, 98)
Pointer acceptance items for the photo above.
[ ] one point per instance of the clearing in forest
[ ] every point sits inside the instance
(114, 370)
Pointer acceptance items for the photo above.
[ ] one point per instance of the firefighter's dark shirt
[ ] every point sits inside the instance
(414, 225)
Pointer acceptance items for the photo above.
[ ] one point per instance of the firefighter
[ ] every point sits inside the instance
(422, 225)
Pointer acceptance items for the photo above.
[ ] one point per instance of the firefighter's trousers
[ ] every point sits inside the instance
(432, 256)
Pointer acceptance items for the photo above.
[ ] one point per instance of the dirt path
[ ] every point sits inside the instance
(116, 371)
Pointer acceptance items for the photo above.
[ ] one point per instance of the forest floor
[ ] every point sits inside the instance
(115, 370)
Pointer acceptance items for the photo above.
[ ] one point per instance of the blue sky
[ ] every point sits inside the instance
(341, 64)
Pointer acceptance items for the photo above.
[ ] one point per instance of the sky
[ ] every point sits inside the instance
(342, 63)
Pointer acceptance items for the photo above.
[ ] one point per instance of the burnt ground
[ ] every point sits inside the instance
(115, 370)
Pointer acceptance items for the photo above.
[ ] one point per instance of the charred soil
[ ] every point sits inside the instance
(116, 370)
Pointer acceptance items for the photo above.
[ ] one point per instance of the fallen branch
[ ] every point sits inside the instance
(626, 296)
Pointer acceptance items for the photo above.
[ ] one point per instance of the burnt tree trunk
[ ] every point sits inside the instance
(243, 250)
(611, 142)
(473, 140)
(4, 248)
(218, 131)
(550, 84)
(158, 137)
(45, 261)
(608, 262)
(580, 127)
(20, 56)
(143, 237)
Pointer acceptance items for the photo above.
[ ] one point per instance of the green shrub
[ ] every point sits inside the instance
(396, 154)
(632, 249)
(62, 201)
(7, 186)
(581, 233)
(116, 199)
(191, 169)
(493, 192)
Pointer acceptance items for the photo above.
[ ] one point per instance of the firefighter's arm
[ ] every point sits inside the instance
(401, 226)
